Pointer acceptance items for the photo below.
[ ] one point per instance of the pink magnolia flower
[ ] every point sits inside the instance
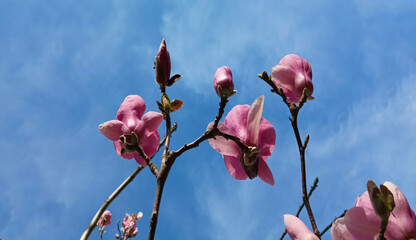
(130, 122)
(297, 230)
(293, 74)
(105, 219)
(162, 64)
(361, 222)
(129, 225)
(223, 82)
(246, 123)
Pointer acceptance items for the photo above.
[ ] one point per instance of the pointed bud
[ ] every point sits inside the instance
(223, 82)
(162, 65)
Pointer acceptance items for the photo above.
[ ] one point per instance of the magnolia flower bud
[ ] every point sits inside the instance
(294, 76)
(105, 219)
(223, 82)
(162, 65)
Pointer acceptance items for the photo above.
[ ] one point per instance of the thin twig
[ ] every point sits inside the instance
(172, 129)
(313, 187)
(107, 202)
(329, 225)
(303, 170)
(223, 102)
(315, 184)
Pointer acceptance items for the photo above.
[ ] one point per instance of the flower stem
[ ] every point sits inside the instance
(294, 110)
(107, 203)
(161, 178)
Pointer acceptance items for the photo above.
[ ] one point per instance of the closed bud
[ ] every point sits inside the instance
(294, 76)
(223, 82)
(162, 65)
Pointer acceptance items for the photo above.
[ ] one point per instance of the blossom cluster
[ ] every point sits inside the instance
(245, 139)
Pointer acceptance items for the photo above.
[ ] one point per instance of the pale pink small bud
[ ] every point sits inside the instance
(223, 82)
(162, 65)
(293, 74)
(105, 219)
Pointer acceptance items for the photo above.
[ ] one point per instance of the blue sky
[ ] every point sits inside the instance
(66, 66)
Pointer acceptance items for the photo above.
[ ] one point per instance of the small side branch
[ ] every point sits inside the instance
(172, 129)
(107, 203)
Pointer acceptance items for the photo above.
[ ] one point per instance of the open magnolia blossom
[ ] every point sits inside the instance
(129, 225)
(132, 130)
(246, 123)
(297, 230)
(361, 222)
(293, 74)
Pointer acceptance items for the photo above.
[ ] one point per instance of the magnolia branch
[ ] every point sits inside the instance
(302, 148)
(161, 177)
(169, 158)
(107, 203)
(294, 110)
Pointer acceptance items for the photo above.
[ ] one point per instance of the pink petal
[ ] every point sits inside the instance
(149, 123)
(293, 74)
(264, 172)
(363, 201)
(339, 230)
(113, 129)
(236, 121)
(139, 159)
(362, 223)
(131, 111)
(234, 167)
(297, 230)
(267, 137)
(298, 64)
(118, 145)
(403, 214)
(222, 145)
(150, 144)
(283, 76)
(253, 121)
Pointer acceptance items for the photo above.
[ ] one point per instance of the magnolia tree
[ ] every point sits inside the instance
(245, 140)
